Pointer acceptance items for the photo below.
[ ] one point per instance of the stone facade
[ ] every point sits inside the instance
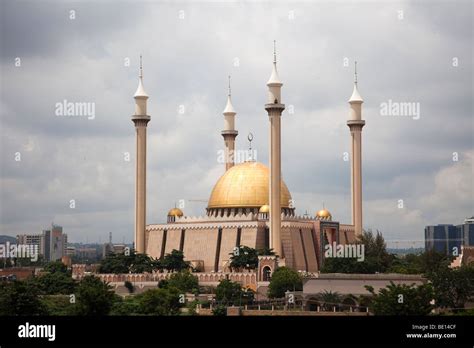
(210, 240)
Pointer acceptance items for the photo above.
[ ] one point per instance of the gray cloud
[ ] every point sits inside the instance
(187, 62)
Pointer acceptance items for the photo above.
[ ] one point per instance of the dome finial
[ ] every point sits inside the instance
(229, 87)
(250, 138)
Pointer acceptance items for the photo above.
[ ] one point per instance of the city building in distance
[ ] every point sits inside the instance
(448, 238)
(52, 243)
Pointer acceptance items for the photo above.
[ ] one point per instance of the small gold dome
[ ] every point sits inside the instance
(175, 212)
(264, 209)
(245, 185)
(324, 214)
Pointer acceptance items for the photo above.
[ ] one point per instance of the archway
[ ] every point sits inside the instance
(266, 274)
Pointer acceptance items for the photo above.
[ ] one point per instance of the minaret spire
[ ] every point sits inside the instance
(356, 123)
(140, 119)
(274, 51)
(355, 72)
(229, 133)
(140, 74)
(274, 108)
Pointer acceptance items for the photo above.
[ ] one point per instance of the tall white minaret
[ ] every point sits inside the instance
(274, 108)
(355, 124)
(140, 119)
(229, 133)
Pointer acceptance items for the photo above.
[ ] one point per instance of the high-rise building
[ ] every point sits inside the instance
(58, 243)
(448, 238)
(51, 243)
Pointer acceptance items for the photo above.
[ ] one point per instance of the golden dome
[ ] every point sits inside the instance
(324, 214)
(175, 212)
(245, 185)
(264, 209)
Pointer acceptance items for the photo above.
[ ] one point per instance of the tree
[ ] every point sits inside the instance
(402, 299)
(141, 263)
(127, 306)
(424, 263)
(163, 301)
(20, 298)
(174, 261)
(266, 251)
(132, 263)
(56, 267)
(219, 311)
(184, 281)
(376, 257)
(115, 263)
(329, 299)
(284, 279)
(228, 292)
(129, 286)
(55, 283)
(453, 287)
(243, 258)
(94, 297)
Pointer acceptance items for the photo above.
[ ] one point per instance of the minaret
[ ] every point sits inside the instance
(274, 108)
(229, 133)
(355, 124)
(140, 119)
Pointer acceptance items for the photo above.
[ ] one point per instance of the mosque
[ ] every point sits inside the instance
(250, 204)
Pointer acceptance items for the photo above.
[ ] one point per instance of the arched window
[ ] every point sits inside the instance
(267, 274)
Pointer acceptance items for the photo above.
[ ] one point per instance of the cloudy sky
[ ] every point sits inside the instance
(418, 52)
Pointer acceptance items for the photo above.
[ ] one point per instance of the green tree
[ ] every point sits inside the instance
(56, 267)
(266, 251)
(243, 258)
(284, 279)
(163, 301)
(94, 297)
(115, 263)
(127, 306)
(219, 311)
(129, 286)
(184, 281)
(141, 263)
(58, 305)
(376, 257)
(453, 287)
(402, 299)
(174, 261)
(55, 283)
(132, 263)
(329, 299)
(20, 298)
(228, 292)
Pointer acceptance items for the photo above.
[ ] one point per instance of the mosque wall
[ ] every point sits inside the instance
(153, 246)
(173, 239)
(249, 237)
(228, 243)
(202, 245)
(309, 250)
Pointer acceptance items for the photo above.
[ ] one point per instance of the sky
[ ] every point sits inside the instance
(73, 170)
